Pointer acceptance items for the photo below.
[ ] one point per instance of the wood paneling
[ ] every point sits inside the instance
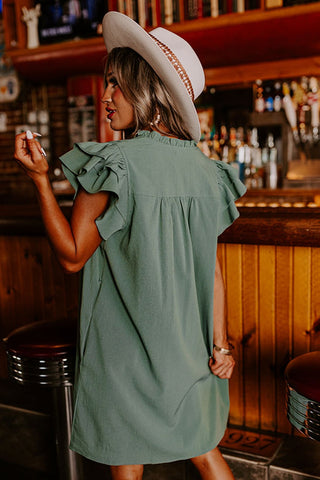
(233, 276)
(33, 286)
(266, 335)
(273, 304)
(283, 328)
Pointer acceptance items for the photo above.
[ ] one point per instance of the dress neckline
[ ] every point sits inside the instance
(156, 136)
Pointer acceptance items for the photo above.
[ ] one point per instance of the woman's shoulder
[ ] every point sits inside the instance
(87, 155)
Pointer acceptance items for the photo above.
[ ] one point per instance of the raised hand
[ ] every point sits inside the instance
(30, 155)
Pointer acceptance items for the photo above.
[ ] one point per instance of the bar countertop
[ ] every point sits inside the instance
(279, 217)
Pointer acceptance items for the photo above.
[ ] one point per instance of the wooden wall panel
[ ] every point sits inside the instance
(33, 286)
(273, 304)
(301, 299)
(283, 330)
(250, 339)
(266, 321)
(231, 260)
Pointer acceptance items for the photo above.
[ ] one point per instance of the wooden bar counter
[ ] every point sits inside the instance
(270, 258)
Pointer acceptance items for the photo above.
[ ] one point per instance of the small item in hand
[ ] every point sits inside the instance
(224, 351)
(29, 135)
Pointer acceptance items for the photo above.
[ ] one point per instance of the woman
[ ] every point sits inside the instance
(151, 384)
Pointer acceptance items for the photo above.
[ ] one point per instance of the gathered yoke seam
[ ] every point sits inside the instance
(167, 195)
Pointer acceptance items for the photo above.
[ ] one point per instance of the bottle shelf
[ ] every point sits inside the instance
(234, 48)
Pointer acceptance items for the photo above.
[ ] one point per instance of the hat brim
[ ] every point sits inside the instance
(121, 31)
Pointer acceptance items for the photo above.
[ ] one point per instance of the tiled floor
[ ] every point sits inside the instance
(297, 459)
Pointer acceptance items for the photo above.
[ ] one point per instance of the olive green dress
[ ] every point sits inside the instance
(144, 392)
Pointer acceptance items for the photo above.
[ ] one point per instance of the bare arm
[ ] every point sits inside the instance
(220, 364)
(75, 241)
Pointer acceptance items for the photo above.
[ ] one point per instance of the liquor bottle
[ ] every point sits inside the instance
(223, 137)
(269, 101)
(300, 98)
(242, 152)
(290, 111)
(257, 170)
(213, 144)
(259, 103)
(272, 165)
(245, 154)
(230, 150)
(277, 101)
(232, 145)
(216, 145)
(313, 100)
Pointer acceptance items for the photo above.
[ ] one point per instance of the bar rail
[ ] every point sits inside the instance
(265, 219)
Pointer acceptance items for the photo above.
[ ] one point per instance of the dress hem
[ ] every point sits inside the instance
(97, 459)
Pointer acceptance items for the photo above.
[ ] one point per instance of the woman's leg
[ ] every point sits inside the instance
(127, 472)
(212, 466)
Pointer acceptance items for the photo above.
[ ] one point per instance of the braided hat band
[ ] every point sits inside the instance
(177, 65)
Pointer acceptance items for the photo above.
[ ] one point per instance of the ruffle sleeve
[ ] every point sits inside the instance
(231, 188)
(100, 167)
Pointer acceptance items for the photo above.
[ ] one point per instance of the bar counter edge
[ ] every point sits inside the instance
(256, 225)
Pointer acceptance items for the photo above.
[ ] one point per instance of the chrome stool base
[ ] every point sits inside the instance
(303, 414)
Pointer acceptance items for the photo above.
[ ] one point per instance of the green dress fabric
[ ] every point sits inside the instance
(143, 391)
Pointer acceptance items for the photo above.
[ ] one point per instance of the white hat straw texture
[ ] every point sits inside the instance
(171, 57)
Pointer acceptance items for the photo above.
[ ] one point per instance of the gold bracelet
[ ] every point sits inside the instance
(224, 351)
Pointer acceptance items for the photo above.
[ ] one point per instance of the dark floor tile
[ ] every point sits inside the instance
(26, 439)
(241, 469)
(94, 471)
(300, 456)
(244, 469)
(277, 473)
(165, 471)
(14, 472)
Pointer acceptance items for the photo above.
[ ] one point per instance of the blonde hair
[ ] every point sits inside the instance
(146, 92)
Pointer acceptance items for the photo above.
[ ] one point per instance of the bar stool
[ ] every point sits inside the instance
(43, 354)
(302, 376)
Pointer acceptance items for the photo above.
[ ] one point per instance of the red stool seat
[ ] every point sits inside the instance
(45, 339)
(303, 374)
(303, 394)
(42, 353)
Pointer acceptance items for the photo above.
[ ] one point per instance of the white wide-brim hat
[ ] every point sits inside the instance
(170, 56)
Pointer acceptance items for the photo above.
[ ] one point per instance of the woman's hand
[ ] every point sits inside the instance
(30, 156)
(221, 365)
